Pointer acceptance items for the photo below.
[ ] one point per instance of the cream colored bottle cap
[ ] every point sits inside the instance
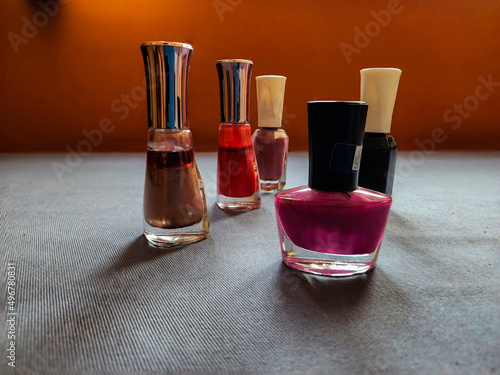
(270, 97)
(379, 87)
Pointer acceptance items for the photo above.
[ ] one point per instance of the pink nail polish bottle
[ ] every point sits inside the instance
(270, 142)
(332, 227)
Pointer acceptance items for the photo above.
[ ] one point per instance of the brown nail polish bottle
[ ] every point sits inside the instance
(175, 204)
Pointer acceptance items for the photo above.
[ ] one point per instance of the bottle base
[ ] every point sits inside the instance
(244, 203)
(167, 241)
(271, 186)
(166, 238)
(325, 264)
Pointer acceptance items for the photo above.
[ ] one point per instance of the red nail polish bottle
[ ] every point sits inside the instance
(237, 174)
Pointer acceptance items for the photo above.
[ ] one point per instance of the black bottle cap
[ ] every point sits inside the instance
(335, 142)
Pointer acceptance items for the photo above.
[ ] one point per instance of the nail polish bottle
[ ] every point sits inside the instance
(270, 142)
(237, 174)
(175, 204)
(332, 227)
(379, 87)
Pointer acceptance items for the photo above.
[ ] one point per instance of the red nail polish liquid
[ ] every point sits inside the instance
(237, 176)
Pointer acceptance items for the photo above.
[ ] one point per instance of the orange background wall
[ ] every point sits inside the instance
(65, 78)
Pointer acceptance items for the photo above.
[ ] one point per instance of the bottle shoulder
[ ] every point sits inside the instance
(271, 129)
(380, 141)
(235, 135)
(306, 195)
(169, 140)
(270, 133)
(234, 124)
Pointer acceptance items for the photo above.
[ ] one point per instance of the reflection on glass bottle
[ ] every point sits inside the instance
(175, 205)
(379, 87)
(237, 174)
(332, 227)
(270, 142)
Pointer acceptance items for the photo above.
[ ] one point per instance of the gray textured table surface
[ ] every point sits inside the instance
(93, 298)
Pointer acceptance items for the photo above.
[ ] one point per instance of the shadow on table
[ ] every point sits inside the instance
(324, 290)
(99, 302)
(341, 296)
(325, 307)
(397, 222)
(216, 214)
(347, 314)
(139, 251)
(409, 237)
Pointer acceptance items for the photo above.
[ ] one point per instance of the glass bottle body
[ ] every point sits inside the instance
(271, 151)
(175, 204)
(331, 233)
(237, 174)
(378, 162)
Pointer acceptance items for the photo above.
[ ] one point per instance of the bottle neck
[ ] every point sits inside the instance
(167, 72)
(226, 123)
(234, 89)
(375, 135)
